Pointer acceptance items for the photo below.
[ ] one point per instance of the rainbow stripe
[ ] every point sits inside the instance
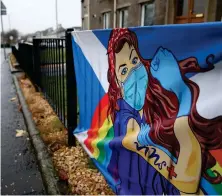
(102, 132)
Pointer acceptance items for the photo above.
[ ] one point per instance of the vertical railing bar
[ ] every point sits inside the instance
(36, 73)
(59, 86)
(48, 63)
(54, 74)
(60, 82)
(44, 52)
(63, 84)
(33, 68)
(58, 73)
(43, 65)
(57, 77)
(33, 65)
(39, 60)
(36, 69)
(40, 68)
(48, 68)
(71, 89)
(52, 71)
(40, 64)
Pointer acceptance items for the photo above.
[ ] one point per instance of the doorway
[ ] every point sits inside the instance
(189, 11)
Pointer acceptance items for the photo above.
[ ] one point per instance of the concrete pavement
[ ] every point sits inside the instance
(19, 170)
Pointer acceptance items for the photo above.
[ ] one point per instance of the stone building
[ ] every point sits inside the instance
(99, 14)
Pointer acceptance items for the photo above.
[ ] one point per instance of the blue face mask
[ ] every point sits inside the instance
(135, 86)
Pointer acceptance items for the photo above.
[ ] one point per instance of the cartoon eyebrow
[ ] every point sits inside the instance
(121, 66)
(131, 53)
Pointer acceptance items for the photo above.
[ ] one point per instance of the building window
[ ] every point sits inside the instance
(123, 18)
(199, 6)
(182, 7)
(147, 14)
(106, 20)
(194, 6)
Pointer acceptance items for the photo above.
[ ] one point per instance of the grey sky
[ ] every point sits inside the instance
(29, 16)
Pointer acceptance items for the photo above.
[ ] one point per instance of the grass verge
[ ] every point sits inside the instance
(72, 163)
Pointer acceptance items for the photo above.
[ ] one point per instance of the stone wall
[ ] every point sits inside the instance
(164, 11)
(98, 7)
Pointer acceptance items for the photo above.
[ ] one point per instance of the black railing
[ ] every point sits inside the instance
(15, 52)
(49, 65)
(52, 60)
(71, 86)
(24, 56)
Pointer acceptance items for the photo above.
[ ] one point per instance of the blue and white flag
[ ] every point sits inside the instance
(150, 102)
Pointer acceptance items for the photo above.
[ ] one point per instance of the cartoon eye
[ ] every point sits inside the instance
(124, 71)
(135, 60)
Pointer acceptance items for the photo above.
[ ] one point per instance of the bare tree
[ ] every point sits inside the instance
(11, 37)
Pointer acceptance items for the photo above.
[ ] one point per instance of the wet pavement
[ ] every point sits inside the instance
(19, 170)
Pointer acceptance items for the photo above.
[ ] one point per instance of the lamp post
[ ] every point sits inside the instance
(3, 12)
(56, 10)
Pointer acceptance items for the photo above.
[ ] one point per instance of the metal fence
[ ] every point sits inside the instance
(51, 56)
(50, 66)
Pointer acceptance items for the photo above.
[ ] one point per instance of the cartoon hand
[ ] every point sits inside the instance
(165, 69)
(143, 137)
(144, 140)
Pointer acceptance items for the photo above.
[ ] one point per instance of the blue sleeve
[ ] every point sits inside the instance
(161, 185)
(120, 129)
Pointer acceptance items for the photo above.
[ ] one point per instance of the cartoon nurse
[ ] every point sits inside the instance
(161, 144)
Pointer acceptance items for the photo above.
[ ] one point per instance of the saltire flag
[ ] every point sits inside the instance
(150, 103)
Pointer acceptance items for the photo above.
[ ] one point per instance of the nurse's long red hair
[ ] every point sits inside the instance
(161, 106)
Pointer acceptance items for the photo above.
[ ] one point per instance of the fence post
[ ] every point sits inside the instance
(71, 89)
(20, 56)
(36, 62)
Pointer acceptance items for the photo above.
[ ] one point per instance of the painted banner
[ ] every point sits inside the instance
(150, 101)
